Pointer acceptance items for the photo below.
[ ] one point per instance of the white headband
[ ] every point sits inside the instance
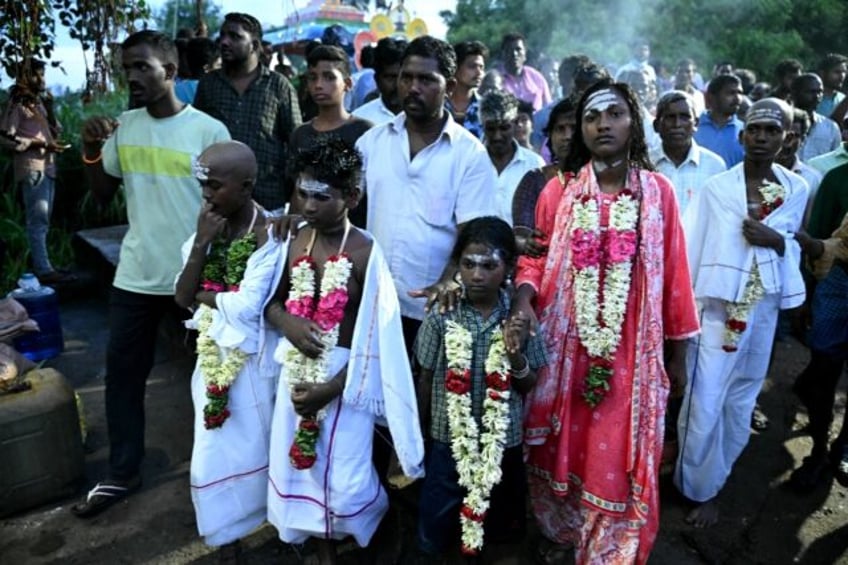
(313, 186)
(199, 169)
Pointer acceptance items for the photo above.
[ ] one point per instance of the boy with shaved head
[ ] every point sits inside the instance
(745, 266)
(230, 270)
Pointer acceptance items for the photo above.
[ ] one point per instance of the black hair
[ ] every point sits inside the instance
(250, 24)
(490, 231)
(685, 61)
(366, 57)
(465, 49)
(562, 108)
(525, 107)
(389, 51)
(569, 65)
(159, 42)
(428, 47)
(800, 81)
(200, 52)
(578, 153)
(803, 118)
(747, 78)
(587, 75)
(830, 61)
(512, 36)
(332, 54)
(332, 160)
(718, 83)
(786, 67)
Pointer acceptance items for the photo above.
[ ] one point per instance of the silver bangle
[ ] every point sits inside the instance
(518, 375)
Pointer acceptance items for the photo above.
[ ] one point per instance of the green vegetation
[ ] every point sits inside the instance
(753, 34)
(74, 209)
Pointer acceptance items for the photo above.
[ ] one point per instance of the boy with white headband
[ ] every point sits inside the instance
(745, 267)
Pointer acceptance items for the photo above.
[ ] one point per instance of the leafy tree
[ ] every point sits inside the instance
(189, 14)
(28, 29)
(755, 34)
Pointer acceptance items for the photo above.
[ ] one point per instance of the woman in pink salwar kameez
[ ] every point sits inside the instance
(612, 289)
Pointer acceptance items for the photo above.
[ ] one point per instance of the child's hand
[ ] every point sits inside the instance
(209, 225)
(309, 398)
(304, 334)
(517, 330)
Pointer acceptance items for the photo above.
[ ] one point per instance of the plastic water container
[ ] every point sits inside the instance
(42, 305)
(41, 452)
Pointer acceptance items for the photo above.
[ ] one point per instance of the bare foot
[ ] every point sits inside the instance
(705, 515)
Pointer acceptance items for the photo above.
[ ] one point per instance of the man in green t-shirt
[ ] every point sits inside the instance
(150, 154)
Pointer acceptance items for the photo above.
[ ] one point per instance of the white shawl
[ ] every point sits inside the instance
(720, 258)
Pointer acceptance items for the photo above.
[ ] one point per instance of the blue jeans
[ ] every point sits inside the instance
(38, 190)
(441, 499)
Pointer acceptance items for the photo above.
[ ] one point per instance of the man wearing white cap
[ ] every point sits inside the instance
(745, 266)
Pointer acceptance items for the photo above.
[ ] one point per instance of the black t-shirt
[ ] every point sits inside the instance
(306, 135)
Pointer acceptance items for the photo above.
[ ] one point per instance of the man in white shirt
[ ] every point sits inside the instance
(686, 164)
(498, 112)
(425, 176)
(824, 134)
(788, 157)
(387, 57)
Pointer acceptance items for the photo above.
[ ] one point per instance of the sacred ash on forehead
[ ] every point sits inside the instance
(495, 255)
(313, 186)
(600, 100)
(199, 169)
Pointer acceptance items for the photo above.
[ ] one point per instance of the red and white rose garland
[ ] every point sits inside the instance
(599, 312)
(328, 314)
(478, 454)
(739, 312)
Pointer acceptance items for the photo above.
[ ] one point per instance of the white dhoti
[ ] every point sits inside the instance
(340, 494)
(722, 388)
(229, 464)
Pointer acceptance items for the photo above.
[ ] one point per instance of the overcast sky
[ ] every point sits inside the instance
(270, 12)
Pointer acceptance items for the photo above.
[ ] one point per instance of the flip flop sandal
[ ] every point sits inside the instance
(104, 495)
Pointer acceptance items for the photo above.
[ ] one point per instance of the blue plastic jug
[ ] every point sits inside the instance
(42, 305)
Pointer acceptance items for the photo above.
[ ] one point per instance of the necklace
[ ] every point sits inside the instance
(599, 310)
(478, 454)
(328, 313)
(219, 368)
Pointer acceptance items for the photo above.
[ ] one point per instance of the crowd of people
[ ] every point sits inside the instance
(524, 294)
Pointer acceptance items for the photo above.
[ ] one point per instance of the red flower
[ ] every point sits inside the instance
(729, 348)
(497, 381)
(585, 249)
(601, 362)
(622, 245)
(469, 513)
(304, 259)
(457, 383)
(736, 325)
(309, 425)
(212, 286)
(300, 460)
(467, 550)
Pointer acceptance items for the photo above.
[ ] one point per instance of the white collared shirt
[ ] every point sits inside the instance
(415, 205)
(688, 179)
(523, 160)
(375, 112)
(824, 136)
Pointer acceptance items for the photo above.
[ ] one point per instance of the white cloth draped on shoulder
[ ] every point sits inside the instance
(340, 494)
(720, 258)
(229, 465)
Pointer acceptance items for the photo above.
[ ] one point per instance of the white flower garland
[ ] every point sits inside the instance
(301, 369)
(215, 371)
(478, 455)
(602, 341)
